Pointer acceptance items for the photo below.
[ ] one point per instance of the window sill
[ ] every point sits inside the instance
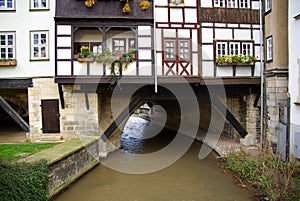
(8, 63)
(235, 64)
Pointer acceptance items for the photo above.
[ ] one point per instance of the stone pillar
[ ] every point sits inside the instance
(107, 114)
(252, 122)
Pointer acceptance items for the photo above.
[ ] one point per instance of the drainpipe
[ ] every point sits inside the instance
(154, 51)
(262, 125)
(288, 123)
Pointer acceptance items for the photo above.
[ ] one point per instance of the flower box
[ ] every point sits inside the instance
(234, 64)
(5, 63)
(85, 59)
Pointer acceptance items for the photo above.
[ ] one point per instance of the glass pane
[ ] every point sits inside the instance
(3, 53)
(2, 3)
(9, 3)
(44, 4)
(35, 39)
(36, 4)
(36, 51)
(122, 43)
(2, 39)
(43, 39)
(10, 53)
(10, 39)
(43, 52)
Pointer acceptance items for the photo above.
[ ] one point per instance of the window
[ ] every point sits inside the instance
(247, 49)
(119, 45)
(234, 48)
(39, 45)
(224, 48)
(268, 6)
(7, 46)
(244, 4)
(184, 50)
(221, 48)
(7, 4)
(39, 4)
(220, 3)
(174, 48)
(170, 50)
(232, 4)
(269, 49)
(131, 43)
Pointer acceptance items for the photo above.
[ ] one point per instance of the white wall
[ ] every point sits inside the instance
(22, 21)
(294, 55)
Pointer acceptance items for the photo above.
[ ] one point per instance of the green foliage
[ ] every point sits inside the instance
(20, 181)
(236, 59)
(10, 151)
(273, 178)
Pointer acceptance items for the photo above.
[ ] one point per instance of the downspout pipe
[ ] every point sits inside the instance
(262, 125)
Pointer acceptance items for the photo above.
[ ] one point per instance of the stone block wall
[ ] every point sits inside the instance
(276, 97)
(75, 119)
(68, 161)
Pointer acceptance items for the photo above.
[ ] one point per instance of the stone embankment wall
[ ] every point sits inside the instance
(68, 161)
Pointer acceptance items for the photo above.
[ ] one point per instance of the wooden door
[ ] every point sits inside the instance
(50, 116)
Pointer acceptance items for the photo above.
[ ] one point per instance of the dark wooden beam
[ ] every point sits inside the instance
(15, 83)
(61, 96)
(229, 116)
(150, 80)
(14, 115)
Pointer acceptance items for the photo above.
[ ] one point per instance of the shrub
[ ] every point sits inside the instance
(21, 181)
(273, 178)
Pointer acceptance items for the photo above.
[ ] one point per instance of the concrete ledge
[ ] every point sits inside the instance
(58, 152)
(68, 161)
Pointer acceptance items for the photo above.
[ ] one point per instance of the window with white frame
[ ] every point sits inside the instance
(119, 45)
(247, 49)
(184, 50)
(170, 50)
(232, 4)
(221, 48)
(269, 48)
(39, 45)
(244, 4)
(7, 4)
(7, 46)
(220, 3)
(234, 48)
(224, 48)
(268, 5)
(180, 47)
(39, 4)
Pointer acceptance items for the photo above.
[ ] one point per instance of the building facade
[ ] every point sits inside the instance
(149, 44)
(294, 63)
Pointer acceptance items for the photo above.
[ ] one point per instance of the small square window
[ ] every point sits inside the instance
(219, 3)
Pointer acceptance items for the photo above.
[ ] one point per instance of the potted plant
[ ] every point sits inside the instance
(84, 54)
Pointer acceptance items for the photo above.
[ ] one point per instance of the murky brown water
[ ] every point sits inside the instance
(189, 179)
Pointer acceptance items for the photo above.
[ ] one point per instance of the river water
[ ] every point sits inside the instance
(188, 179)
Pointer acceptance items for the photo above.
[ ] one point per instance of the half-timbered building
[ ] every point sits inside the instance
(149, 44)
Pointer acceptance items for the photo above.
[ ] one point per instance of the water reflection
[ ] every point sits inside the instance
(189, 179)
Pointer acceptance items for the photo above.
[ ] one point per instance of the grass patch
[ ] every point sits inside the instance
(15, 151)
